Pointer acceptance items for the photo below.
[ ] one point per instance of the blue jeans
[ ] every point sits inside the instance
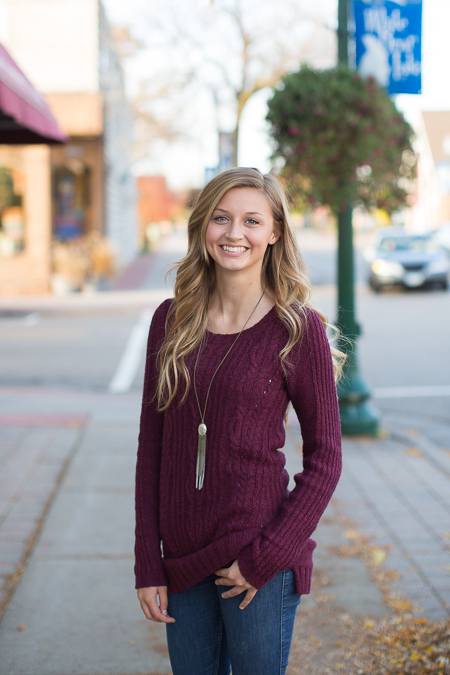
(211, 634)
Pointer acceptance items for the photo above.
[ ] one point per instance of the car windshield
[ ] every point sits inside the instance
(403, 243)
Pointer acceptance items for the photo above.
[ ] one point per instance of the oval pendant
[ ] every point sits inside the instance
(202, 429)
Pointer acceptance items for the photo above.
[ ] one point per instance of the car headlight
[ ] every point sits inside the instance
(387, 268)
(438, 267)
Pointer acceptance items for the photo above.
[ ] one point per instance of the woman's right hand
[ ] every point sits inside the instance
(148, 597)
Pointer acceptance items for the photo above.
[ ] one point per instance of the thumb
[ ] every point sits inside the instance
(163, 600)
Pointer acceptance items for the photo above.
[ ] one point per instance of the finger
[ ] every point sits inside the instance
(156, 614)
(229, 569)
(226, 582)
(163, 600)
(146, 610)
(163, 603)
(248, 598)
(236, 590)
(223, 572)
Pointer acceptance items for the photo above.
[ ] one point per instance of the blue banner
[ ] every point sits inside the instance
(388, 43)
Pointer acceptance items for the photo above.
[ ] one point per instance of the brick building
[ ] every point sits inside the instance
(156, 203)
(85, 185)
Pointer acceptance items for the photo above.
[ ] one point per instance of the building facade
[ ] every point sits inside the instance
(157, 205)
(86, 185)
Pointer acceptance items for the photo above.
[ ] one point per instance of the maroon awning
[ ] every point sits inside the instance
(24, 114)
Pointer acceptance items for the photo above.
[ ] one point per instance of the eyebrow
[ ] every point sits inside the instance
(248, 213)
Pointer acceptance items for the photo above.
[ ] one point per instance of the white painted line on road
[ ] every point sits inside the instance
(129, 363)
(31, 320)
(412, 392)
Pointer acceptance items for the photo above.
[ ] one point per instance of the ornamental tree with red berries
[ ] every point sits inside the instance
(341, 140)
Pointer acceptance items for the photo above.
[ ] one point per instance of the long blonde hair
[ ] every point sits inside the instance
(283, 270)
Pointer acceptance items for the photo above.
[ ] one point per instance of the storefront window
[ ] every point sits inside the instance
(71, 185)
(12, 221)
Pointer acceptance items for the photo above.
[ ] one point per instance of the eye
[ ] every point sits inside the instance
(252, 221)
(220, 219)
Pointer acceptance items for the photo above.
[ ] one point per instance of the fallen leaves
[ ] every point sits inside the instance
(414, 452)
(328, 641)
(378, 556)
(324, 597)
(400, 644)
(412, 432)
(411, 646)
(361, 547)
(398, 603)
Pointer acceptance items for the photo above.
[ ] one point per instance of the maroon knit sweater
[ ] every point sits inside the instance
(244, 510)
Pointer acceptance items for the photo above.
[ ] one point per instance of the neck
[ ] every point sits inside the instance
(236, 294)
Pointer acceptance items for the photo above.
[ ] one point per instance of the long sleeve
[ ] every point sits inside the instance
(312, 390)
(148, 563)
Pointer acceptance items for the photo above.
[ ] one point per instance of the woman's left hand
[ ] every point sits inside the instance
(231, 576)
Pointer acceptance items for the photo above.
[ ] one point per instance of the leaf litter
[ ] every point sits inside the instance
(327, 641)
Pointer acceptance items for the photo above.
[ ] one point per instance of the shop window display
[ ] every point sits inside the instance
(71, 186)
(12, 220)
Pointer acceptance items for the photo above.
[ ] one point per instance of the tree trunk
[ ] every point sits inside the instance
(235, 144)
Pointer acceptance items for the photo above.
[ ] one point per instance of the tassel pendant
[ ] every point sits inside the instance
(201, 452)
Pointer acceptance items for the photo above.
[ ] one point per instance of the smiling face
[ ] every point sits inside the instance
(240, 229)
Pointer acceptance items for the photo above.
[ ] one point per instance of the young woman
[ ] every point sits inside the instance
(223, 549)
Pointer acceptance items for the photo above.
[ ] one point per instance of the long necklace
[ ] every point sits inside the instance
(202, 429)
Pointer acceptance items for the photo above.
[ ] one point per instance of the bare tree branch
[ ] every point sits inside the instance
(231, 48)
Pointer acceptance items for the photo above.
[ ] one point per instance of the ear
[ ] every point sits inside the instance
(274, 237)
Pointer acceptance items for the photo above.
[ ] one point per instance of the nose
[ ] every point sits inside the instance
(234, 232)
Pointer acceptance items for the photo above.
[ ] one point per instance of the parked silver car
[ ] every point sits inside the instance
(442, 236)
(408, 260)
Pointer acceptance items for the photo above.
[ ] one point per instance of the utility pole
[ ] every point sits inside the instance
(357, 415)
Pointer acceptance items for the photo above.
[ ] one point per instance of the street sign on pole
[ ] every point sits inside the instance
(226, 140)
(210, 172)
(388, 35)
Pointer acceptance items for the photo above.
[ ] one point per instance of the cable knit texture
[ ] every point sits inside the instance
(245, 510)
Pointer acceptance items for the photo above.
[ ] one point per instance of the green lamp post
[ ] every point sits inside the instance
(358, 416)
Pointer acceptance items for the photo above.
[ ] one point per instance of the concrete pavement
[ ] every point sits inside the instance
(394, 500)
(67, 522)
(75, 609)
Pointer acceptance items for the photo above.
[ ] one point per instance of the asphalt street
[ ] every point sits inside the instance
(403, 347)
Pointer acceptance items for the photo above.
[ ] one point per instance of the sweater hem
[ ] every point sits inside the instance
(187, 571)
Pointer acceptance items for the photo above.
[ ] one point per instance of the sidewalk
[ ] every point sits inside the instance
(69, 477)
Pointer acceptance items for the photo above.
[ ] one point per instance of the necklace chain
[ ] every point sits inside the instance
(202, 429)
(202, 415)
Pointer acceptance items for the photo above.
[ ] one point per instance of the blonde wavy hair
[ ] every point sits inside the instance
(283, 271)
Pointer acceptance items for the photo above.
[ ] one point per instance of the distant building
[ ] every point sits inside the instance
(156, 203)
(437, 131)
(431, 204)
(86, 185)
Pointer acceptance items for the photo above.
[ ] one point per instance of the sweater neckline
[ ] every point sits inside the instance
(256, 326)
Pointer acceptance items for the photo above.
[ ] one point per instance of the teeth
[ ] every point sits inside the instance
(234, 249)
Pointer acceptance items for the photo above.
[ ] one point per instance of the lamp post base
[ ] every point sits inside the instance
(359, 418)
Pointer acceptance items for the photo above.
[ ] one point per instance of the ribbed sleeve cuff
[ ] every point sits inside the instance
(145, 579)
(259, 563)
(302, 577)
(262, 560)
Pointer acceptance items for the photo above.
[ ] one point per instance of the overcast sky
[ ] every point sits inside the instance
(184, 163)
